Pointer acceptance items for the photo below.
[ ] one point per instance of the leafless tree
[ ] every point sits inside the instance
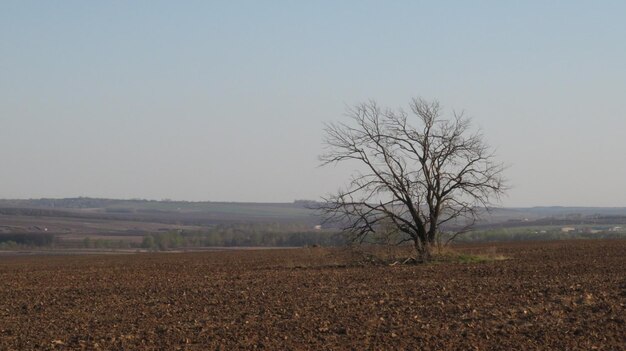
(420, 172)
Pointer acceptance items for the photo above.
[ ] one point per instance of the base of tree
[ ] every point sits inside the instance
(398, 256)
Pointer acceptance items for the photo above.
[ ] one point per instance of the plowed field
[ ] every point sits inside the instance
(556, 295)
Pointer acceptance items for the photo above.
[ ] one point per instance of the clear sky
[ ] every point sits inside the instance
(225, 101)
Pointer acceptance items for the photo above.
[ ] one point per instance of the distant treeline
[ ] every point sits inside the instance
(273, 235)
(258, 234)
(35, 212)
(17, 240)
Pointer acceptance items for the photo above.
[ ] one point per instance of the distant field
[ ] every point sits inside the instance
(565, 295)
(122, 224)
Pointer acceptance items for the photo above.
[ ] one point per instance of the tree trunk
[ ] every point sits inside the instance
(427, 252)
(422, 251)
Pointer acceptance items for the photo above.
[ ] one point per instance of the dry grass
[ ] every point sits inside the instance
(451, 255)
(378, 255)
(394, 255)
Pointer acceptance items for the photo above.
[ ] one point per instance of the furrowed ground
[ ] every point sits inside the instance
(547, 295)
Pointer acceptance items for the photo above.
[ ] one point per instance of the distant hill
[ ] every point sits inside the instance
(300, 211)
(183, 212)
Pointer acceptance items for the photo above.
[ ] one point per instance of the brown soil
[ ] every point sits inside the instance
(557, 295)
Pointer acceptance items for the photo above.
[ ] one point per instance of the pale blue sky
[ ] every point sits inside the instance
(226, 100)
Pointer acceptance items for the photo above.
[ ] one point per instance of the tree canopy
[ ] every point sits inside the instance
(421, 171)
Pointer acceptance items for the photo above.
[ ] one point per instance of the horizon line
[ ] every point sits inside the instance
(269, 202)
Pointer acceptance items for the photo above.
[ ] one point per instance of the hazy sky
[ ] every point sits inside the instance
(226, 100)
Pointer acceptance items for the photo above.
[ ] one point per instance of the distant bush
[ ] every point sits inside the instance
(148, 242)
(8, 245)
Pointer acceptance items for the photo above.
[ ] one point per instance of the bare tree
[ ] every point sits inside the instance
(422, 172)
